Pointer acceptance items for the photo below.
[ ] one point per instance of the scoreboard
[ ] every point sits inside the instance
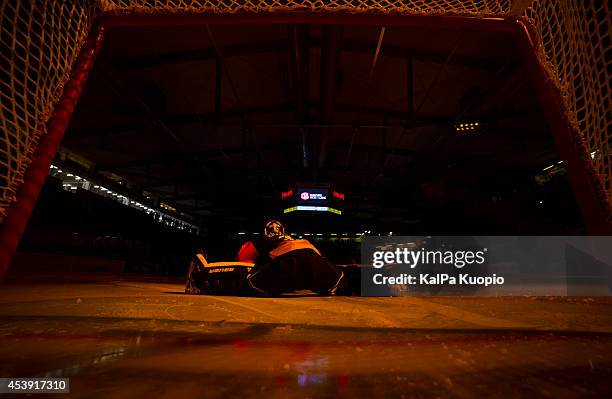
(304, 197)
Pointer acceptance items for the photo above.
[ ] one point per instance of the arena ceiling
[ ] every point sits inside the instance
(218, 120)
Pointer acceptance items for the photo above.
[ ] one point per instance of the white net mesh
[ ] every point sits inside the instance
(421, 7)
(573, 42)
(40, 41)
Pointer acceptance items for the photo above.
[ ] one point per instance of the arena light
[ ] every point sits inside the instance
(467, 127)
(75, 182)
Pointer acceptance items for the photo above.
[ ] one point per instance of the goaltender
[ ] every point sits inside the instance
(284, 264)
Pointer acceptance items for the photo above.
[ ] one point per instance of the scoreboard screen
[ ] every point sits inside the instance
(313, 198)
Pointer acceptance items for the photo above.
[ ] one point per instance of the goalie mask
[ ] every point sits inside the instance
(274, 229)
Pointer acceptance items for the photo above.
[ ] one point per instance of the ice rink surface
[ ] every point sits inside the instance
(130, 340)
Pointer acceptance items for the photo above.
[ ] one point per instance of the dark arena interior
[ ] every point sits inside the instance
(177, 130)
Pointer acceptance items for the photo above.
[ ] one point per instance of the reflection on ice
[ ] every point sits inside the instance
(312, 371)
(99, 358)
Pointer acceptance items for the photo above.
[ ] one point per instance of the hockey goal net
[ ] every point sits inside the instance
(40, 41)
